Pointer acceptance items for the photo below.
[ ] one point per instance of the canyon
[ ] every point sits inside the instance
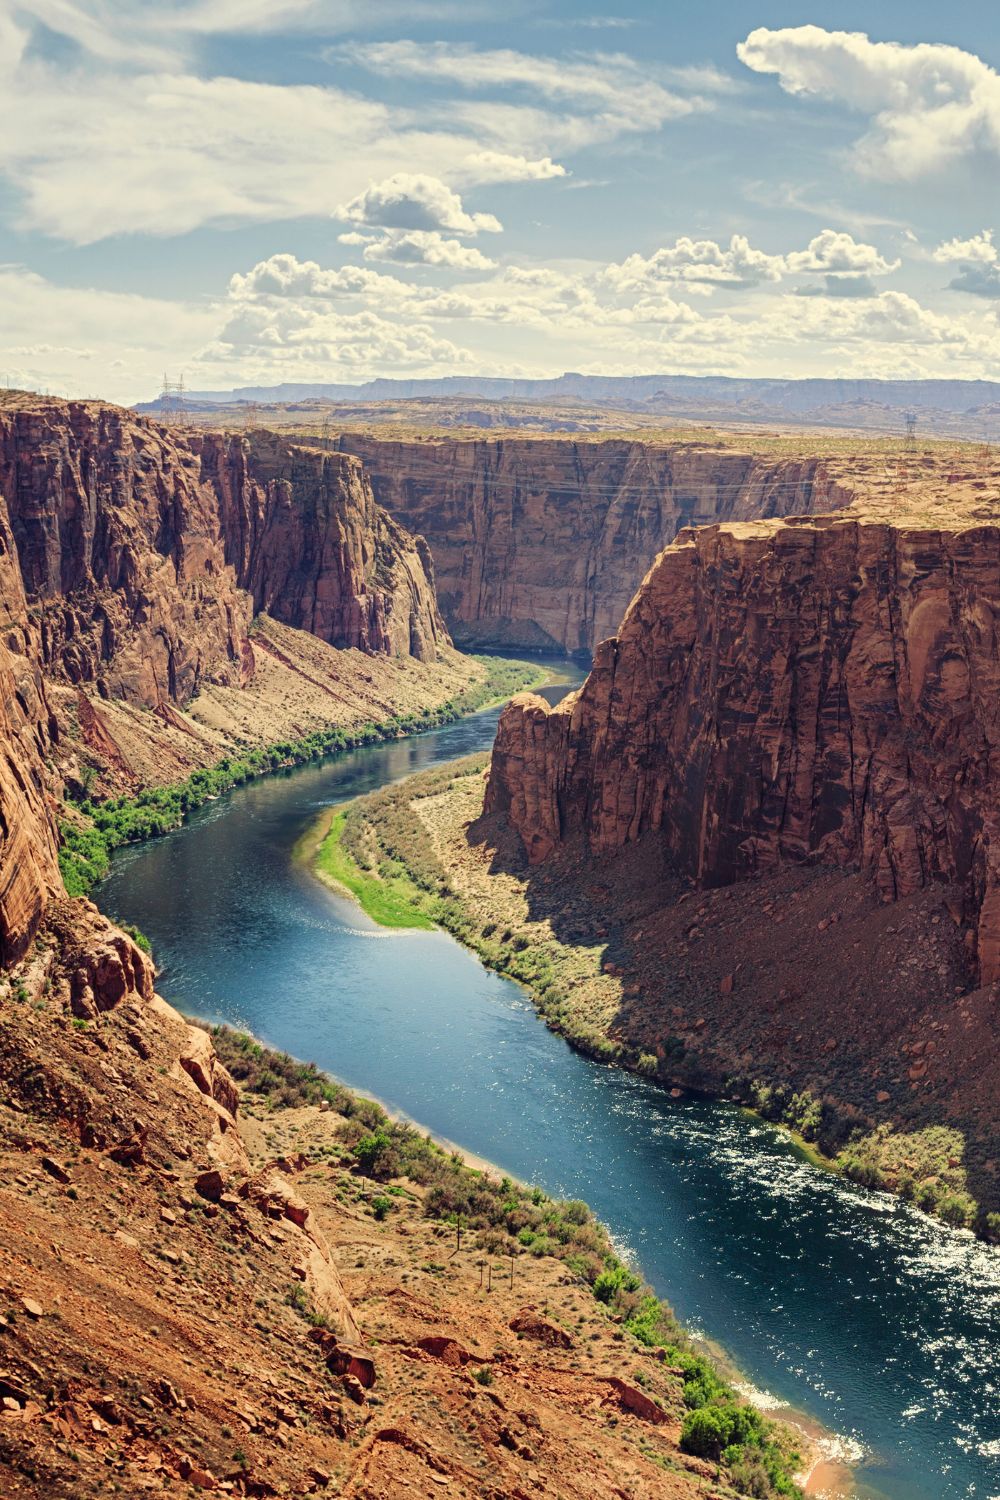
(171, 595)
(795, 727)
(541, 543)
(781, 758)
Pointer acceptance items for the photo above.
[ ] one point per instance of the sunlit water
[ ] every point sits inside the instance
(846, 1304)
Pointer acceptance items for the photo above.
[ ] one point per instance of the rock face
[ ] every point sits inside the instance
(543, 542)
(822, 690)
(132, 561)
(146, 552)
(308, 541)
(29, 871)
(121, 553)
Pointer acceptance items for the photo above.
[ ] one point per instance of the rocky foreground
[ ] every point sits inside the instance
(205, 1290)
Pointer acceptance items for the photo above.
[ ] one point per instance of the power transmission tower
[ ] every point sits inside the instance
(911, 430)
(172, 399)
(250, 412)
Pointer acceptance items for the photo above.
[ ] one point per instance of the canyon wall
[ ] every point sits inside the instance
(133, 559)
(145, 552)
(821, 690)
(308, 541)
(543, 542)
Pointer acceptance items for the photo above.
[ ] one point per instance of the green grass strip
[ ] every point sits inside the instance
(390, 902)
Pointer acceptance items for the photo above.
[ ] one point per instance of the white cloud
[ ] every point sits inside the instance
(165, 31)
(613, 86)
(286, 340)
(980, 250)
(428, 248)
(977, 261)
(500, 166)
(838, 253)
(414, 200)
(929, 103)
(702, 265)
(133, 143)
(81, 341)
(286, 276)
(698, 261)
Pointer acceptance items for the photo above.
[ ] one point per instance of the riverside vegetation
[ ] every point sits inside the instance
(383, 849)
(755, 1455)
(90, 831)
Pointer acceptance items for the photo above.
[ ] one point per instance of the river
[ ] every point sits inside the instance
(847, 1304)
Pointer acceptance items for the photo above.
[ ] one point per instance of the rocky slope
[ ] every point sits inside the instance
(174, 594)
(543, 542)
(200, 1293)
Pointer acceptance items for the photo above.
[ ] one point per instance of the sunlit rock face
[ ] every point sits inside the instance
(813, 689)
(542, 542)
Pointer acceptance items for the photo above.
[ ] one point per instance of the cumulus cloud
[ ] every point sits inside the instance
(838, 254)
(287, 276)
(422, 247)
(416, 201)
(847, 265)
(698, 261)
(929, 103)
(977, 261)
(979, 250)
(290, 338)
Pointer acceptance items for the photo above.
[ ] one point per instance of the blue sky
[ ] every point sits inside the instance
(251, 191)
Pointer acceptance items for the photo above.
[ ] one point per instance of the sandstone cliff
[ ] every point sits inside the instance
(795, 691)
(307, 540)
(145, 552)
(543, 542)
(133, 559)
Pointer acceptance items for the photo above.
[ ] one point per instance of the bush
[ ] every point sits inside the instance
(374, 1154)
(709, 1429)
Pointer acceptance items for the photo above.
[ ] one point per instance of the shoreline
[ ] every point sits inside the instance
(823, 1477)
(590, 1040)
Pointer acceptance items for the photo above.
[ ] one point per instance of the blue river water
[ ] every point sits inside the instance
(849, 1305)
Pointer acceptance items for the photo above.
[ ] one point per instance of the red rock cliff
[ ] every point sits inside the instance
(543, 542)
(132, 561)
(308, 541)
(823, 690)
(145, 552)
(29, 871)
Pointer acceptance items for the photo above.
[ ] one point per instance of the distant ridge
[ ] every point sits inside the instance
(946, 408)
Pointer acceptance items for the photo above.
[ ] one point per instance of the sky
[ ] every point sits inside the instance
(241, 192)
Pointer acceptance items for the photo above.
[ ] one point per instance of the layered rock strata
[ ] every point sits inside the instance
(145, 552)
(133, 560)
(543, 542)
(820, 690)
